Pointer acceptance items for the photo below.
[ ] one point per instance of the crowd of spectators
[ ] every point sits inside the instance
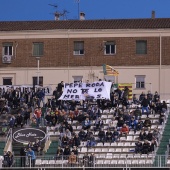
(60, 116)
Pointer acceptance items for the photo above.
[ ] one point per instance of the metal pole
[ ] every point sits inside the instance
(38, 69)
(160, 61)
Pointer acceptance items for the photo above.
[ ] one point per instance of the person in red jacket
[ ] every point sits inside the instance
(124, 130)
(38, 114)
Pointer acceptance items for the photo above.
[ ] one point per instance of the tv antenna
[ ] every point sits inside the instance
(57, 13)
(78, 7)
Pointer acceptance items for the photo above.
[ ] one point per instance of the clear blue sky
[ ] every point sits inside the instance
(16, 10)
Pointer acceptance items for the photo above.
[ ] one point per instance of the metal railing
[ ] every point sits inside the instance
(59, 162)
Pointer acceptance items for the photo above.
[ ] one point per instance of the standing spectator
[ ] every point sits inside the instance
(156, 97)
(23, 156)
(60, 87)
(38, 114)
(145, 147)
(92, 160)
(149, 136)
(142, 96)
(145, 103)
(12, 121)
(149, 96)
(72, 159)
(161, 118)
(32, 156)
(86, 160)
(40, 96)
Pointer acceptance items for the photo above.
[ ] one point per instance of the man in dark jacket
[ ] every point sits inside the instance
(102, 136)
(145, 104)
(19, 120)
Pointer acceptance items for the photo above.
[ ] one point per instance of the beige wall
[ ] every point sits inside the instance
(52, 76)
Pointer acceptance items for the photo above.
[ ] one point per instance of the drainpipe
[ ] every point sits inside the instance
(160, 61)
(68, 56)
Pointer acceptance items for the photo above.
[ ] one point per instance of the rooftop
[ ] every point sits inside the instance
(157, 23)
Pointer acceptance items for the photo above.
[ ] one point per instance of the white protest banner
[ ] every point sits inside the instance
(78, 91)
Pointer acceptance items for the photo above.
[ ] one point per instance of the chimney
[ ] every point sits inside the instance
(82, 16)
(153, 15)
(57, 16)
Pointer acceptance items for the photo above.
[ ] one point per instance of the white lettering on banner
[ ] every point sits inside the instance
(78, 91)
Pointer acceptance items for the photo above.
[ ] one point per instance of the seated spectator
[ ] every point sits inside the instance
(66, 151)
(142, 135)
(108, 136)
(156, 134)
(161, 118)
(64, 141)
(86, 160)
(86, 124)
(120, 123)
(112, 124)
(72, 159)
(75, 150)
(19, 120)
(147, 123)
(98, 124)
(70, 128)
(115, 135)
(138, 147)
(80, 117)
(76, 140)
(153, 145)
(68, 133)
(82, 135)
(145, 147)
(137, 113)
(62, 128)
(59, 153)
(149, 136)
(133, 124)
(153, 107)
(91, 141)
(124, 130)
(101, 136)
(48, 119)
(88, 134)
(139, 125)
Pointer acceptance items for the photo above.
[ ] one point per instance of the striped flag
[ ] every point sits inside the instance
(129, 85)
(109, 71)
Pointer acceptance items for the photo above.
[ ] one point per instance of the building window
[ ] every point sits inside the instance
(141, 47)
(40, 81)
(79, 48)
(38, 49)
(77, 79)
(7, 49)
(110, 48)
(140, 82)
(7, 81)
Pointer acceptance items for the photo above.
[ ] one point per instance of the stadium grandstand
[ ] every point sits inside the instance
(91, 132)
